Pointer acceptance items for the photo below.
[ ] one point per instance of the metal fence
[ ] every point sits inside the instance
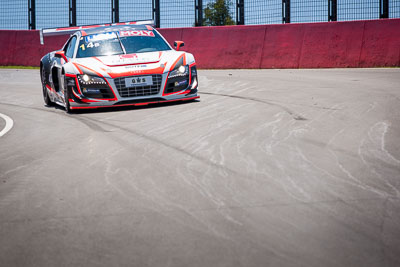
(37, 14)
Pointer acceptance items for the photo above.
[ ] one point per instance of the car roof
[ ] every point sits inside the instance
(114, 28)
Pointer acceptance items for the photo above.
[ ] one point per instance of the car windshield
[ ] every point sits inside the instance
(109, 43)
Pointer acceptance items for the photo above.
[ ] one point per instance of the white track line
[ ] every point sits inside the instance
(9, 124)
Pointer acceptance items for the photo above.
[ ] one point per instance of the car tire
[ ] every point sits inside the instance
(66, 97)
(46, 96)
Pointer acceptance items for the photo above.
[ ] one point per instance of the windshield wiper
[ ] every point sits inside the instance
(120, 43)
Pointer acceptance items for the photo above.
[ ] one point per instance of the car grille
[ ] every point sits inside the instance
(138, 90)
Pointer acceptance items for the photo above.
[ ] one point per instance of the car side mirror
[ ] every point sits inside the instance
(61, 54)
(178, 45)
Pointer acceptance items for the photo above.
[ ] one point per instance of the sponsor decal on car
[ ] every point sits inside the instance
(139, 81)
(100, 37)
(135, 66)
(136, 33)
(133, 59)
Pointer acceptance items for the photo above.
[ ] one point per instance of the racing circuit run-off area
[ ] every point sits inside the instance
(267, 168)
(199, 133)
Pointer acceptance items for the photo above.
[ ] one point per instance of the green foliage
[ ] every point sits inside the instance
(217, 13)
(18, 67)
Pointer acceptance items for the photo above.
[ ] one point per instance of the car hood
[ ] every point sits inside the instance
(130, 64)
(130, 59)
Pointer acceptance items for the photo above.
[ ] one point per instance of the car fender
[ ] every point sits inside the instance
(189, 59)
(69, 68)
(45, 64)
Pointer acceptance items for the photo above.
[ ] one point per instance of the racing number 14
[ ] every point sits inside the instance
(89, 45)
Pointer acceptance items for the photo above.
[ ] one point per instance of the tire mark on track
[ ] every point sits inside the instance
(94, 125)
(89, 124)
(206, 161)
(292, 113)
(34, 108)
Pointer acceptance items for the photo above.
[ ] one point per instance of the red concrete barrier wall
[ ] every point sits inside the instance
(331, 45)
(374, 43)
(381, 44)
(225, 47)
(7, 47)
(23, 48)
(282, 46)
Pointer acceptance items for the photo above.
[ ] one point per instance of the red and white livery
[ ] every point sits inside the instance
(116, 65)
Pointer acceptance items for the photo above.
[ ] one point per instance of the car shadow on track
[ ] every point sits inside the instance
(124, 108)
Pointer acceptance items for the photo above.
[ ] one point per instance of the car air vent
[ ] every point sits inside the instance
(145, 88)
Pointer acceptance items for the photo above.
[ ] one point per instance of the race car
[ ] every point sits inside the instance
(116, 65)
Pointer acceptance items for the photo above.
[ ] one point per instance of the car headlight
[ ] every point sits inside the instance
(180, 71)
(90, 80)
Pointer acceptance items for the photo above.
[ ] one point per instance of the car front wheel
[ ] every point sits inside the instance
(46, 96)
(66, 97)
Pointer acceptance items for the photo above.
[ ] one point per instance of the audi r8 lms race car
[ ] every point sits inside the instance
(116, 65)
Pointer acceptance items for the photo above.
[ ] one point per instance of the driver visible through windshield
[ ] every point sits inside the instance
(121, 42)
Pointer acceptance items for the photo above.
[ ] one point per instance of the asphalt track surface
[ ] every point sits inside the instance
(269, 168)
